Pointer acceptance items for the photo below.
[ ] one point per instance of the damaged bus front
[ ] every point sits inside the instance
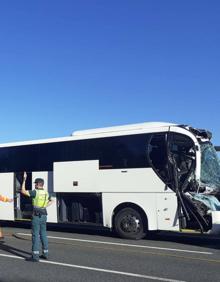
(185, 159)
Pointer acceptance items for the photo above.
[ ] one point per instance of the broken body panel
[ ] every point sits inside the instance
(191, 168)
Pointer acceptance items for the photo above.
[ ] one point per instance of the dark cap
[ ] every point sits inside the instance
(39, 180)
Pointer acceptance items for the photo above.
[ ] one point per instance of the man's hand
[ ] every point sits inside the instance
(23, 189)
(25, 176)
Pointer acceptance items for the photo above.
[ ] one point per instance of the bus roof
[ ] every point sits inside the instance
(136, 126)
(92, 132)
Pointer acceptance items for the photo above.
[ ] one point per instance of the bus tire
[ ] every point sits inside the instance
(129, 224)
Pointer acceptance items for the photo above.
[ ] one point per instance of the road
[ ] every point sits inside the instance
(82, 255)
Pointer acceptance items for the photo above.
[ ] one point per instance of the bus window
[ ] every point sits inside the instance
(119, 152)
(182, 152)
(157, 153)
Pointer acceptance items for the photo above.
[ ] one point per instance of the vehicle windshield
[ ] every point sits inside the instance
(210, 166)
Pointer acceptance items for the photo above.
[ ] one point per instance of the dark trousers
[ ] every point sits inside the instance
(39, 233)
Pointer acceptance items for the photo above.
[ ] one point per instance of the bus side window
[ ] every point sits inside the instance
(158, 155)
(183, 152)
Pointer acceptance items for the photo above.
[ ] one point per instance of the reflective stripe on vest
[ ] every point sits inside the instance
(41, 199)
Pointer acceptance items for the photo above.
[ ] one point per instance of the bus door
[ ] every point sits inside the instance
(22, 203)
(182, 165)
(172, 157)
(7, 189)
(167, 217)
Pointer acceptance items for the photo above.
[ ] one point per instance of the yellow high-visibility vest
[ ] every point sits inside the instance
(41, 199)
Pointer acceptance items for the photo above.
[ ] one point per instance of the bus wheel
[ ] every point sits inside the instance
(128, 224)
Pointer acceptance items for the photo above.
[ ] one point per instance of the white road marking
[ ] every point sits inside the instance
(122, 244)
(101, 270)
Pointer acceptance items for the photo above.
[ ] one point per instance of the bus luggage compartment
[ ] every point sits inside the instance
(79, 208)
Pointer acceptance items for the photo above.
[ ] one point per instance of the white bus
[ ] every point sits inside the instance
(131, 179)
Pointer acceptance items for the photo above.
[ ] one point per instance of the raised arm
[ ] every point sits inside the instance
(23, 188)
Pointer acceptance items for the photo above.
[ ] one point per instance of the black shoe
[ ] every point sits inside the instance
(44, 257)
(32, 259)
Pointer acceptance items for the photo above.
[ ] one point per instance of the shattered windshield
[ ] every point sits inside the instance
(210, 166)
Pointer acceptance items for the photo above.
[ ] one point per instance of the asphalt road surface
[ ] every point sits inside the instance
(84, 255)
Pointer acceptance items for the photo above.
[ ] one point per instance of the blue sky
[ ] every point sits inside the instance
(71, 65)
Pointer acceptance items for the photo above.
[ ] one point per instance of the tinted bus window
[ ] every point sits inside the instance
(112, 152)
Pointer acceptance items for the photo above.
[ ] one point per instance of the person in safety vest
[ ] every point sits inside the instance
(40, 200)
(4, 199)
